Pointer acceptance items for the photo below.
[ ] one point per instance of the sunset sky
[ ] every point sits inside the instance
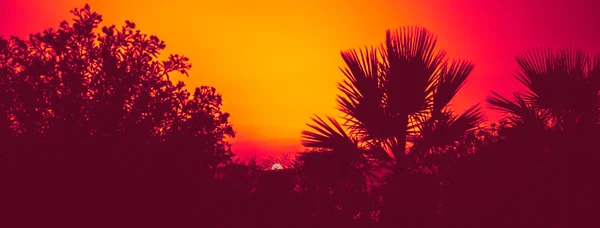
(276, 61)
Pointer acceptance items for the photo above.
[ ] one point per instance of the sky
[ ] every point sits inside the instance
(276, 62)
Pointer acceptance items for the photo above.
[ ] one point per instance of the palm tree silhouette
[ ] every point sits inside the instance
(554, 127)
(395, 101)
(540, 171)
(562, 92)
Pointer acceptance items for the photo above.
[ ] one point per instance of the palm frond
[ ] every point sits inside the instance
(534, 68)
(594, 80)
(594, 73)
(535, 62)
(573, 63)
(469, 119)
(417, 122)
(452, 78)
(360, 66)
(349, 160)
(361, 96)
(326, 136)
(519, 111)
(410, 65)
(554, 78)
(439, 133)
(377, 153)
(518, 107)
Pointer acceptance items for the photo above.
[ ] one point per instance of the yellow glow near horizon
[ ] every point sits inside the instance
(276, 61)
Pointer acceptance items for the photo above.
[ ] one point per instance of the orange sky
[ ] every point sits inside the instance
(276, 62)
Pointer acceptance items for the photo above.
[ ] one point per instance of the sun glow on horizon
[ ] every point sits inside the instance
(276, 166)
(275, 62)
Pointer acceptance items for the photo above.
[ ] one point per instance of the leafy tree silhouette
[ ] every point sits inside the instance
(72, 85)
(93, 112)
(395, 100)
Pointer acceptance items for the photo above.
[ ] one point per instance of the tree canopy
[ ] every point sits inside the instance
(81, 84)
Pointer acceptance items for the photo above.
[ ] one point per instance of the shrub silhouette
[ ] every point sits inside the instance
(91, 125)
(72, 85)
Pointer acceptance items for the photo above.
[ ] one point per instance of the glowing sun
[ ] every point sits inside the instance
(276, 166)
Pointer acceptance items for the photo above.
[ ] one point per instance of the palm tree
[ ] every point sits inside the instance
(555, 125)
(562, 92)
(395, 104)
(561, 105)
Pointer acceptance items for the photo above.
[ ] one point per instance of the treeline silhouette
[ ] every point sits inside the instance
(96, 134)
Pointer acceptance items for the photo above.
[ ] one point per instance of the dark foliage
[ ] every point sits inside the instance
(92, 127)
(73, 85)
(94, 133)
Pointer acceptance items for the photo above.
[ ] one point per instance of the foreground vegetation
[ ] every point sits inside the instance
(95, 133)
